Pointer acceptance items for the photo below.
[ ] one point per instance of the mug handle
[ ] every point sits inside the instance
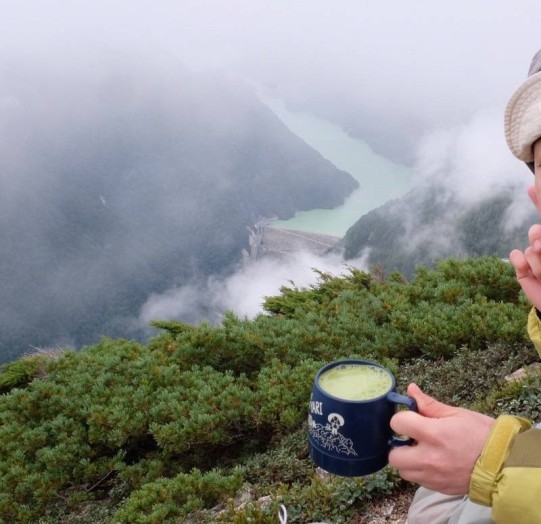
(397, 398)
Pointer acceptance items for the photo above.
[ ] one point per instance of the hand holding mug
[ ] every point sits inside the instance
(448, 442)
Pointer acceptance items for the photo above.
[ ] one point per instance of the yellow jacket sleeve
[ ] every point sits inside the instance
(507, 475)
(534, 330)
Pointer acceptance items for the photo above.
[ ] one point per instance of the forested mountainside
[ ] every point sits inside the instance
(428, 224)
(208, 424)
(140, 179)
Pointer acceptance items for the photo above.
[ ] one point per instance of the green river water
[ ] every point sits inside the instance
(379, 179)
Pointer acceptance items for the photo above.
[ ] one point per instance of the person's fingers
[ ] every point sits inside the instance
(534, 262)
(406, 461)
(409, 424)
(519, 262)
(534, 236)
(528, 280)
(418, 426)
(428, 406)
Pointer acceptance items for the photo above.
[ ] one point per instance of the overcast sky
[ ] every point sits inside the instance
(408, 65)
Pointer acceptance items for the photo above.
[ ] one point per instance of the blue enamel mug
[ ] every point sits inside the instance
(351, 406)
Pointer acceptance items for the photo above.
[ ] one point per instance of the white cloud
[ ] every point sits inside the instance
(244, 292)
(391, 68)
(471, 161)
(175, 303)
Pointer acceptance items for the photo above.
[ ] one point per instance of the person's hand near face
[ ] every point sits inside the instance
(527, 263)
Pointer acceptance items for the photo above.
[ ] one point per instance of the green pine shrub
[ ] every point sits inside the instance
(170, 499)
(171, 429)
(19, 373)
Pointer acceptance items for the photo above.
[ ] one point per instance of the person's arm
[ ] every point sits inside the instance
(496, 463)
(534, 328)
(507, 475)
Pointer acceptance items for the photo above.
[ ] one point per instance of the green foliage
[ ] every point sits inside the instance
(327, 499)
(521, 398)
(336, 499)
(173, 327)
(282, 393)
(466, 379)
(171, 430)
(167, 500)
(206, 408)
(286, 463)
(470, 302)
(20, 372)
(236, 347)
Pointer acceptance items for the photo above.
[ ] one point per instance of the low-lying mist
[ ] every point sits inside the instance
(133, 160)
(127, 180)
(244, 291)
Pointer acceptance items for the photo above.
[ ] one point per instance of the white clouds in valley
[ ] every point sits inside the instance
(423, 62)
(471, 161)
(244, 291)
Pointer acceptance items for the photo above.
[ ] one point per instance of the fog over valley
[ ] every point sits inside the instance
(137, 152)
(136, 183)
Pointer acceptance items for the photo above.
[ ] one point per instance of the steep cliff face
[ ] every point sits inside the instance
(129, 182)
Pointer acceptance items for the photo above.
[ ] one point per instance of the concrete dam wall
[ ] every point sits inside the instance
(266, 240)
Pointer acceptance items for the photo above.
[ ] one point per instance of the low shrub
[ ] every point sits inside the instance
(167, 500)
(160, 427)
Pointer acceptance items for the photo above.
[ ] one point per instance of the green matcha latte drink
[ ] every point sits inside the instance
(354, 382)
(351, 406)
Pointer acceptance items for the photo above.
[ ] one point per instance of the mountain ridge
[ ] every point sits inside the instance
(429, 223)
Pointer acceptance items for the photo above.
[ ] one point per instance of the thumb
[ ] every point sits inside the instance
(428, 406)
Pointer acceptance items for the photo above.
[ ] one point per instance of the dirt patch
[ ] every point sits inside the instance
(387, 511)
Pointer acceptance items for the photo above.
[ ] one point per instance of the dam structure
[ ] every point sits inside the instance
(266, 240)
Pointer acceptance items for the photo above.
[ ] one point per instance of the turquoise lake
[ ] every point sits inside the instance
(379, 179)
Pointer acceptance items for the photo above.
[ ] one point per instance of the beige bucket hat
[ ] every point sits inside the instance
(523, 114)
